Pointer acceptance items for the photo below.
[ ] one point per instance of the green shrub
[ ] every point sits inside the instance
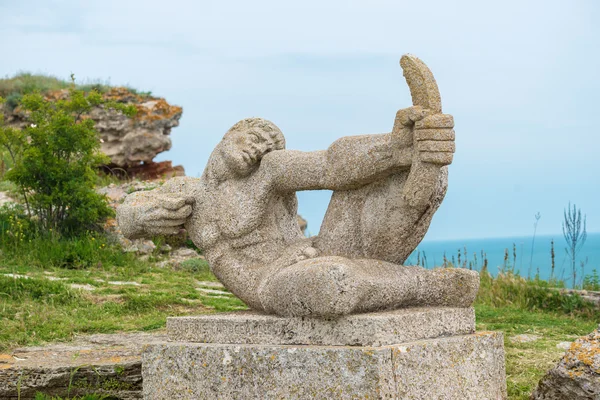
(512, 290)
(55, 161)
(13, 100)
(592, 282)
(23, 243)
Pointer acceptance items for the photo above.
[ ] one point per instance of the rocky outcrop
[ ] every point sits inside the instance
(102, 364)
(577, 375)
(152, 170)
(129, 142)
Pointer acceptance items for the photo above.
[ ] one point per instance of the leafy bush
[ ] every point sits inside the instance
(55, 251)
(592, 282)
(23, 243)
(55, 160)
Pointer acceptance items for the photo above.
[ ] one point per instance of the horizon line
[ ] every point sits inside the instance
(499, 237)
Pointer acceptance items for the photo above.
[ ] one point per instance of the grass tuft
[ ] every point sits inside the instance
(14, 88)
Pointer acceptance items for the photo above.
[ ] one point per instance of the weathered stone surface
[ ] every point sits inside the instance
(373, 329)
(564, 345)
(127, 141)
(242, 213)
(577, 374)
(459, 367)
(106, 364)
(130, 141)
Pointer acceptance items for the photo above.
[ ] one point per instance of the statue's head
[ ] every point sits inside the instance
(244, 145)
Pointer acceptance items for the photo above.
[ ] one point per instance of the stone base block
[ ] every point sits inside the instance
(372, 329)
(457, 367)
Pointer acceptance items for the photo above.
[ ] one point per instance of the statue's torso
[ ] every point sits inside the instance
(254, 224)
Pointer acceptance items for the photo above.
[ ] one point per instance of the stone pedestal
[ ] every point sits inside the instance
(419, 353)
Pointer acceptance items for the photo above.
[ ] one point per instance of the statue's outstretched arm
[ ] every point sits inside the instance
(161, 211)
(354, 161)
(350, 162)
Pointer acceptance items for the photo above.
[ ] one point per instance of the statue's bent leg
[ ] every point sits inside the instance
(322, 286)
(374, 222)
(335, 286)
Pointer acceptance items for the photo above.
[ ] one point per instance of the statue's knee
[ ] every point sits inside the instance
(322, 286)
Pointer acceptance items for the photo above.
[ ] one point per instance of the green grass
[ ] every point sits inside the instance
(513, 305)
(509, 289)
(13, 88)
(526, 363)
(46, 307)
(36, 309)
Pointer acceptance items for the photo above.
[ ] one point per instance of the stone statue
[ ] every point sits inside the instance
(242, 214)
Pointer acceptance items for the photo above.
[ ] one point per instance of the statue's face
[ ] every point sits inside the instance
(243, 149)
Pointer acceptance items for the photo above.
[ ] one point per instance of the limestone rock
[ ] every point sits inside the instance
(184, 253)
(139, 246)
(105, 364)
(154, 170)
(577, 374)
(127, 141)
(178, 256)
(564, 345)
(524, 338)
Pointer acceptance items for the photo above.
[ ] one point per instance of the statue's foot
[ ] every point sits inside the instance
(452, 287)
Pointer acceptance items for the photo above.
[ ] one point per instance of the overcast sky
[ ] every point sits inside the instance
(522, 79)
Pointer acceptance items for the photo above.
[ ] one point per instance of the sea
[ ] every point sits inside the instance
(526, 256)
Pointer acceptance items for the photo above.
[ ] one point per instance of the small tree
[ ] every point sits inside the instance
(575, 235)
(55, 160)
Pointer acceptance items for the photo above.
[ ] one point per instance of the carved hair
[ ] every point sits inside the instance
(261, 124)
